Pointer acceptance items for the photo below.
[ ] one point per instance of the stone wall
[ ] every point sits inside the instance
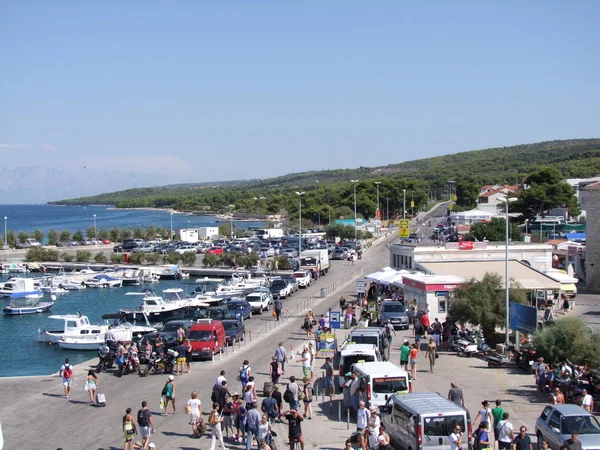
(592, 246)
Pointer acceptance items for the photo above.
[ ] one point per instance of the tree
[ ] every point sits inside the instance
(78, 236)
(115, 234)
(83, 256)
(38, 235)
(482, 303)
(117, 258)
(466, 193)
(66, 257)
(11, 239)
(171, 258)
(65, 236)
(100, 258)
(151, 258)
(210, 260)
(189, 259)
(22, 237)
(569, 338)
(90, 232)
(52, 237)
(495, 230)
(136, 258)
(225, 229)
(283, 262)
(546, 191)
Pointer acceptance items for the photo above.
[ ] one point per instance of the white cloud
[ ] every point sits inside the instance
(13, 146)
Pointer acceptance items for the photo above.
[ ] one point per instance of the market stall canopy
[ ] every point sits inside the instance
(527, 277)
(376, 276)
(387, 276)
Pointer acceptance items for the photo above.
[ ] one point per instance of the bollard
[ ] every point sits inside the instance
(250, 335)
(348, 420)
(339, 411)
(213, 357)
(221, 355)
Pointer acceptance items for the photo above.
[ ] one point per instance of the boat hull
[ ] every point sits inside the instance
(9, 311)
(80, 345)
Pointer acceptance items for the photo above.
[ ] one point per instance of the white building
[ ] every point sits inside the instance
(489, 195)
(198, 234)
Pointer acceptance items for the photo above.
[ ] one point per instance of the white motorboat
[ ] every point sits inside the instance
(17, 268)
(25, 287)
(168, 272)
(51, 285)
(78, 326)
(244, 280)
(103, 281)
(157, 309)
(20, 305)
(82, 343)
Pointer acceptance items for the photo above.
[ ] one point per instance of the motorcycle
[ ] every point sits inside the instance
(495, 360)
(130, 365)
(479, 347)
(468, 345)
(524, 360)
(158, 363)
(106, 356)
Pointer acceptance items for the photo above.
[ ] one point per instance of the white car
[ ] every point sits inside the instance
(260, 301)
(186, 249)
(303, 278)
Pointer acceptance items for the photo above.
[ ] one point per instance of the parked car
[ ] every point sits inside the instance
(217, 312)
(147, 248)
(106, 241)
(557, 422)
(266, 252)
(235, 331)
(303, 278)
(259, 301)
(168, 332)
(340, 253)
(214, 251)
(393, 311)
(128, 245)
(239, 309)
(280, 289)
(291, 281)
(186, 249)
(290, 252)
(29, 243)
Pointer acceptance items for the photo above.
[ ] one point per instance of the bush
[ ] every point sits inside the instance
(117, 258)
(171, 258)
(249, 260)
(100, 258)
(83, 256)
(66, 257)
(189, 259)
(283, 263)
(210, 260)
(152, 258)
(136, 258)
(39, 254)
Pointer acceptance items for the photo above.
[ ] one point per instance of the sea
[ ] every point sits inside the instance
(21, 353)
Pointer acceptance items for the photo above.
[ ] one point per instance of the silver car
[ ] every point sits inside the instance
(557, 422)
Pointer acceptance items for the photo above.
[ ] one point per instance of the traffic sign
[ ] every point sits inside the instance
(360, 286)
(404, 229)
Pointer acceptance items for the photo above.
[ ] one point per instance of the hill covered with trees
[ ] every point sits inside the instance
(329, 193)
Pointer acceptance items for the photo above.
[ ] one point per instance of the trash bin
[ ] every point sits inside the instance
(126, 257)
(323, 293)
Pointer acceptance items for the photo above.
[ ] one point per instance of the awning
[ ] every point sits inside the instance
(527, 277)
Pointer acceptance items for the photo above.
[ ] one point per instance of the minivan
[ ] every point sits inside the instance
(381, 379)
(368, 335)
(352, 353)
(424, 421)
(207, 337)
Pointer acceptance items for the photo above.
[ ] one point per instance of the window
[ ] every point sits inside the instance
(200, 335)
(555, 420)
(443, 426)
(390, 385)
(442, 306)
(581, 424)
(545, 412)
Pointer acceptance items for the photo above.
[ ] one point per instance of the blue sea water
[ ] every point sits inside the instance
(20, 352)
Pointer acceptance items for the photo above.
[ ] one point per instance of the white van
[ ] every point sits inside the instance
(424, 421)
(352, 353)
(382, 379)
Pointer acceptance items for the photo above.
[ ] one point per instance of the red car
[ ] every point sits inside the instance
(106, 241)
(214, 250)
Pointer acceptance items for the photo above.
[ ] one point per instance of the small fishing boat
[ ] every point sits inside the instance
(23, 286)
(20, 304)
(103, 281)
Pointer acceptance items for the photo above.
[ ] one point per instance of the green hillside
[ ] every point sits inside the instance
(333, 195)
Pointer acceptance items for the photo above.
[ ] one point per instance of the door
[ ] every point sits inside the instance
(553, 436)
(437, 429)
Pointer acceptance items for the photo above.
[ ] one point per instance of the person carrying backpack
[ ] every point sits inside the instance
(481, 439)
(244, 373)
(66, 371)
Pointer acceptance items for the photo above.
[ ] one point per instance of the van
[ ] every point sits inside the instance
(369, 335)
(207, 337)
(382, 379)
(424, 421)
(352, 353)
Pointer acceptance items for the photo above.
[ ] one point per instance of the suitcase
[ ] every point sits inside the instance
(100, 399)
(267, 388)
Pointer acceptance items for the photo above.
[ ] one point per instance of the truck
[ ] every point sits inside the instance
(269, 233)
(316, 261)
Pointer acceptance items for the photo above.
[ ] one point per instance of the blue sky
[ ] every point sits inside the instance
(215, 90)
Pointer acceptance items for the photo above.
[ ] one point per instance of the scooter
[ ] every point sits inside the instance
(106, 356)
(477, 348)
(495, 360)
(524, 360)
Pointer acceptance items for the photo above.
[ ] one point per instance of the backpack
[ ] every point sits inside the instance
(288, 396)
(477, 441)
(244, 373)
(141, 418)
(354, 436)
(68, 372)
(164, 391)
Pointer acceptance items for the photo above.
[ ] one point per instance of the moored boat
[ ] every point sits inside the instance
(20, 305)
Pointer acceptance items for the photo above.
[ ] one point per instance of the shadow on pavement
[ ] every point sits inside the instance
(47, 394)
(529, 393)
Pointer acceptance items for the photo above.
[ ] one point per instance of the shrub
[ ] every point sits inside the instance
(35, 254)
(117, 258)
(151, 258)
(66, 257)
(100, 258)
(189, 259)
(210, 260)
(136, 258)
(83, 256)
(283, 263)
(171, 258)
(51, 255)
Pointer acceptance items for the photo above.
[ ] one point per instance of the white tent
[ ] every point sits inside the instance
(376, 276)
(386, 276)
(472, 216)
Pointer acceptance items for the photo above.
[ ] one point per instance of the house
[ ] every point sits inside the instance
(489, 195)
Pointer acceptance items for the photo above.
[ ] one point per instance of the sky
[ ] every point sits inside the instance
(221, 90)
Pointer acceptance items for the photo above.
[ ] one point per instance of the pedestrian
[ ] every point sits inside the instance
(144, 421)
(313, 356)
(430, 353)
(294, 420)
(305, 360)
(188, 356)
(276, 265)
(505, 433)
(587, 401)
(238, 416)
(264, 430)
(180, 333)
(373, 428)
(354, 391)
(249, 397)
(436, 328)
(485, 414)
(522, 441)
(413, 355)
(278, 307)
(181, 349)
(540, 374)
(498, 415)
(281, 356)
(91, 385)
(307, 396)
(220, 378)
(214, 420)
(129, 429)
(244, 373)
(253, 417)
(159, 344)
(363, 415)
(342, 304)
(227, 424)
(274, 370)
(418, 332)
(404, 352)
(279, 399)
(572, 444)
(269, 407)
(455, 394)
(220, 393)
(389, 330)
(294, 389)
(194, 409)
(66, 371)
(556, 397)
(168, 393)
(383, 439)
(456, 438)
(329, 378)
(481, 437)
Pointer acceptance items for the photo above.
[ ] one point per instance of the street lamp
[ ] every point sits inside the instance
(5, 235)
(171, 235)
(506, 201)
(404, 207)
(355, 230)
(95, 231)
(412, 203)
(300, 194)
(378, 213)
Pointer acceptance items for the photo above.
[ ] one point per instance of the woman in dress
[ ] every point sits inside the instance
(263, 430)
(194, 407)
(129, 429)
(485, 415)
(274, 371)
(249, 396)
(308, 398)
(430, 353)
(414, 353)
(91, 385)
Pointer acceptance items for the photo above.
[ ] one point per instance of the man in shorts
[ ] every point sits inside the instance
(404, 353)
(66, 371)
(294, 419)
(329, 377)
(180, 349)
(144, 420)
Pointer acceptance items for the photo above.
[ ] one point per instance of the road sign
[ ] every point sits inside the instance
(360, 286)
(404, 229)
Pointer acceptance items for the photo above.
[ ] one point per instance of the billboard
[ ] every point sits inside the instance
(523, 318)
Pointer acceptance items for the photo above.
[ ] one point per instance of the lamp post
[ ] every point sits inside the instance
(387, 209)
(412, 203)
(355, 230)
(171, 235)
(378, 215)
(506, 201)
(95, 231)
(5, 234)
(404, 203)
(300, 194)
